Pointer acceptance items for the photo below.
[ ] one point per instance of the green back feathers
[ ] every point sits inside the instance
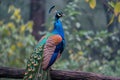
(43, 40)
(34, 69)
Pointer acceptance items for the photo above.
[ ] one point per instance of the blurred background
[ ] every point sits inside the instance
(91, 31)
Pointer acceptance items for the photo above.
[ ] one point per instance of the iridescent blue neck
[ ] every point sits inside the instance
(58, 29)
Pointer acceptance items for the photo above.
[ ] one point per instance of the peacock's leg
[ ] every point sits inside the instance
(44, 75)
(48, 74)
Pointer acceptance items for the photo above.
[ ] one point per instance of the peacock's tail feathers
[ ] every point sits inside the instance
(34, 69)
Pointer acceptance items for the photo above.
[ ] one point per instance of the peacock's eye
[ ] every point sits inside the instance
(59, 14)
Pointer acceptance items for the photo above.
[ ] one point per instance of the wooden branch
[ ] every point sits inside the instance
(6, 72)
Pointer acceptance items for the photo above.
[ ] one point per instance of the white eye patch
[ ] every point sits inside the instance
(58, 14)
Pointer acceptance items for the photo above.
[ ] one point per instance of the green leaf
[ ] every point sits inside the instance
(112, 4)
(112, 19)
(119, 18)
(92, 3)
(87, 0)
(117, 8)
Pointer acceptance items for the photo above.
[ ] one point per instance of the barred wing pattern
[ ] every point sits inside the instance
(49, 49)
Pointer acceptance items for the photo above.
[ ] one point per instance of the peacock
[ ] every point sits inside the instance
(46, 52)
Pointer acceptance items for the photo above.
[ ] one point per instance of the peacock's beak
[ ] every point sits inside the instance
(63, 14)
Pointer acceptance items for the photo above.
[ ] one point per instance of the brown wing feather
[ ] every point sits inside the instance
(49, 49)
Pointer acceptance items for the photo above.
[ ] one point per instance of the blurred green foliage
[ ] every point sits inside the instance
(16, 41)
(87, 50)
(6, 3)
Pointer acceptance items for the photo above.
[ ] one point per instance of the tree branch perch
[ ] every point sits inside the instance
(6, 72)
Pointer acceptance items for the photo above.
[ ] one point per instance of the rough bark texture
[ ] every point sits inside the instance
(37, 14)
(6, 72)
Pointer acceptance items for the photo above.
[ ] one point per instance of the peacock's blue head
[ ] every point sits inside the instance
(58, 14)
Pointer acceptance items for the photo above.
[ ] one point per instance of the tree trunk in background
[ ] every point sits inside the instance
(37, 14)
(109, 13)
